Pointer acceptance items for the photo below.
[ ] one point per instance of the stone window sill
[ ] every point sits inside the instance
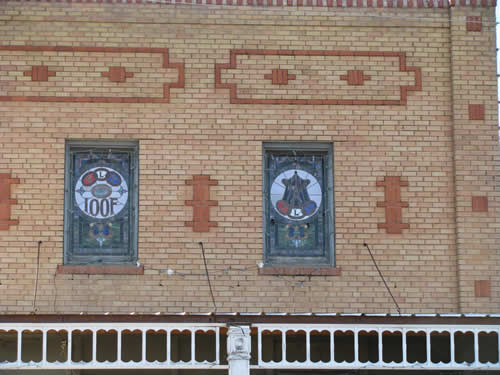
(300, 271)
(101, 270)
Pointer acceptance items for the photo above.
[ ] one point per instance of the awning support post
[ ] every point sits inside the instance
(238, 350)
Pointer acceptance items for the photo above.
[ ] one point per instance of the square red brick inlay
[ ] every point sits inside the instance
(473, 23)
(476, 111)
(480, 204)
(482, 288)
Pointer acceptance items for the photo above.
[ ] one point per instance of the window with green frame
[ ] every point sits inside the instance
(298, 204)
(101, 202)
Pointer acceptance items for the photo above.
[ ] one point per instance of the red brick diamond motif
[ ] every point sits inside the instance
(355, 77)
(117, 74)
(280, 77)
(39, 73)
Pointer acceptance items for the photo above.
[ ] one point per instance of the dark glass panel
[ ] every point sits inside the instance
(296, 204)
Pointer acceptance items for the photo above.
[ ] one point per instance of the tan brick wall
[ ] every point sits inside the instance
(476, 159)
(201, 132)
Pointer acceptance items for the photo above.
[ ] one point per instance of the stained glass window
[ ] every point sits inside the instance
(101, 203)
(298, 205)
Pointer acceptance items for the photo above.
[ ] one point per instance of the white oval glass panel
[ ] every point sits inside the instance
(101, 193)
(296, 194)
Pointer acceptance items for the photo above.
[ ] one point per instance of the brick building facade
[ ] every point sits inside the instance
(283, 139)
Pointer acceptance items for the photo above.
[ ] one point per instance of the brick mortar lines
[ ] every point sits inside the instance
(302, 3)
(365, 17)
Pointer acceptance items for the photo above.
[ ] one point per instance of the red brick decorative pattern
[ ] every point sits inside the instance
(6, 201)
(101, 270)
(473, 23)
(482, 288)
(476, 111)
(86, 89)
(308, 3)
(300, 271)
(355, 77)
(40, 73)
(280, 77)
(201, 203)
(117, 74)
(393, 205)
(480, 204)
(324, 92)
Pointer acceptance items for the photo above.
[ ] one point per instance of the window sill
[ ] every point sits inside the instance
(300, 271)
(101, 270)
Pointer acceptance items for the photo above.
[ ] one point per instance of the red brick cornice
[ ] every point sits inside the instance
(296, 3)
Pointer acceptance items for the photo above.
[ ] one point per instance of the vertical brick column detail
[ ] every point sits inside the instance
(6, 201)
(201, 203)
(475, 147)
(393, 205)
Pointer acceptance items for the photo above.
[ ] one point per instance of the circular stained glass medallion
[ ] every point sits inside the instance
(296, 194)
(101, 193)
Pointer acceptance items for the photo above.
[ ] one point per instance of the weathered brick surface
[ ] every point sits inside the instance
(427, 140)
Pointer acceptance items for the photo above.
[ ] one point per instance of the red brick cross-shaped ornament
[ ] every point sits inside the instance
(117, 74)
(6, 201)
(201, 203)
(393, 205)
(39, 73)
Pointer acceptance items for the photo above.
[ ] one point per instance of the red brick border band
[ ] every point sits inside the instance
(234, 99)
(41, 73)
